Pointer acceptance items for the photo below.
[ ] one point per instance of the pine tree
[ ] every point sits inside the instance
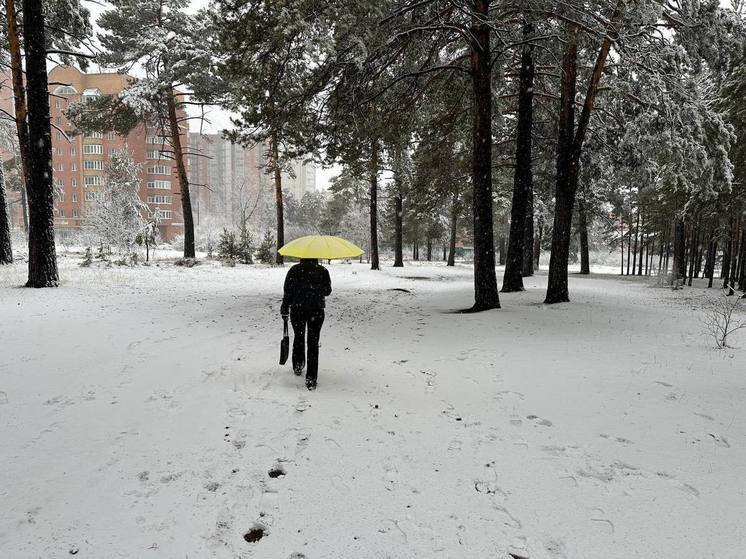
(266, 251)
(272, 62)
(42, 257)
(169, 44)
(227, 247)
(115, 217)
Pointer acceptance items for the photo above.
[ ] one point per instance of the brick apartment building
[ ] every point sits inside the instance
(223, 176)
(80, 162)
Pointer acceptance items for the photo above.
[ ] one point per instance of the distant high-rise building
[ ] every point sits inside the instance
(227, 178)
(80, 162)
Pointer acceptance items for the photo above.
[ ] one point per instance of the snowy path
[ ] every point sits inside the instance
(141, 412)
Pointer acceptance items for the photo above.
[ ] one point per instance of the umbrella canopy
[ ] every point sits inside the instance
(323, 247)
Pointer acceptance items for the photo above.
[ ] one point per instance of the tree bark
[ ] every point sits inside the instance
(557, 291)
(374, 205)
(635, 253)
(279, 204)
(429, 248)
(570, 148)
(19, 102)
(711, 261)
(641, 245)
(398, 230)
(6, 250)
(621, 241)
(42, 257)
(678, 253)
(485, 280)
(186, 200)
(454, 223)
(523, 174)
(585, 261)
(629, 245)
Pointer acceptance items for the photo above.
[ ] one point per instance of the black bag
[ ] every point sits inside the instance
(285, 343)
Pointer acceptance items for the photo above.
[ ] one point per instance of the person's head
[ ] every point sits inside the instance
(309, 260)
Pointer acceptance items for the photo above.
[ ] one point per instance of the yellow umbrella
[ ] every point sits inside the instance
(323, 247)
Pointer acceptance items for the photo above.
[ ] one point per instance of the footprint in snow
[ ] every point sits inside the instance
(720, 440)
(539, 421)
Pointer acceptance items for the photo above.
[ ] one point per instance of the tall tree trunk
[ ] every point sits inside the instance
(570, 148)
(641, 218)
(629, 244)
(42, 257)
(734, 256)
(6, 250)
(398, 229)
(274, 148)
(637, 245)
(374, 205)
(523, 174)
(694, 242)
(485, 280)
(725, 268)
(454, 223)
(429, 248)
(19, 102)
(621, 241)
(557, 291)
(712, 252)
(679, 262)
(585, 260)
(528, 237)
(186, 200)
(742, 261)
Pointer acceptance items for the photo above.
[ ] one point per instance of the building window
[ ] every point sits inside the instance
(156, 154)
(75, 196)
(93, 180)
(93, 149)
(74, 182)
(94, 165)
(163, 214)
(73, 151)
(75, 213)
(73, 166)
(57, 103)
(58, 151)
(162, 185)
(159, 170)
(113, 152)
(111, 136)
(91, 196)
(65, 90)
(94, 135)
(159, 199)
(60, 167)
(61, 212)
(159, 140)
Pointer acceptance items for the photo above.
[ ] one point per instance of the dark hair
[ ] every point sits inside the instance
(310, 260)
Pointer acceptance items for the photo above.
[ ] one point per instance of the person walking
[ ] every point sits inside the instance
(307, 284)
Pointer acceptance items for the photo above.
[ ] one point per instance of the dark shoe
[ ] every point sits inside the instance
(311, 383)
(298, 370)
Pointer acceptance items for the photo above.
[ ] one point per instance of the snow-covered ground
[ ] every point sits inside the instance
(141, 411)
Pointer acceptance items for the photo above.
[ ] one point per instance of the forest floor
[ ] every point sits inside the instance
(143, 414)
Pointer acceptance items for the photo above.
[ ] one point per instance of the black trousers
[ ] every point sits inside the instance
(303, 320)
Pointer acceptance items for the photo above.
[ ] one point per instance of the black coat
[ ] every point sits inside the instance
(306, 286)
